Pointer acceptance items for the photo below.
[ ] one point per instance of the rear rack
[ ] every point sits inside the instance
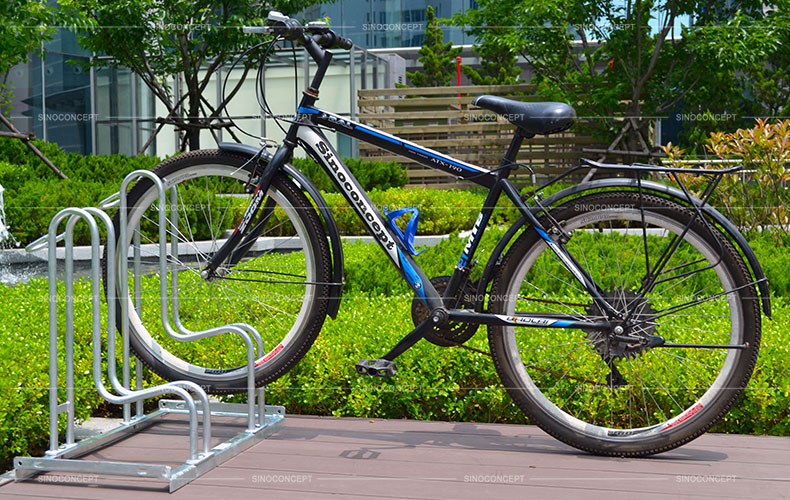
(643, 167)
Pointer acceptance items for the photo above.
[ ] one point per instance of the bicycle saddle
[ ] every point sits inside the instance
(532, 117)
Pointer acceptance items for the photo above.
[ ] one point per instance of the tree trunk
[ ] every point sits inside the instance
(631, 139)
(193, 133)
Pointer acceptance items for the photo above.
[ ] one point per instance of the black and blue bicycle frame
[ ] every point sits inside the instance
(305, 130)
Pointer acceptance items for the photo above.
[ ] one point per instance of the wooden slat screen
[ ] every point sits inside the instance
(435, 117)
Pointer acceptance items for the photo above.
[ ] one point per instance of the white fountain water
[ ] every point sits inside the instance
(4, 234)
(7, 243)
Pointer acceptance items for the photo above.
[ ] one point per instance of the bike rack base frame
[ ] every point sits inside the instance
(66, 458)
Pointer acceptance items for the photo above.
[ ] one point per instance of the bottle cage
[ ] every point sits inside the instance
(407, 237)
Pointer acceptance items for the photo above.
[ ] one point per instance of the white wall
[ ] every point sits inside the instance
(335, 96)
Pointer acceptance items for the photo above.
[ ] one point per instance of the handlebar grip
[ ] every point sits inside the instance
(344, 43)
(331, 40)
(284, 26)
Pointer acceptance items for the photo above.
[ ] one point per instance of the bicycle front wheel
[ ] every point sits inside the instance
(279, 286)
(605, 395)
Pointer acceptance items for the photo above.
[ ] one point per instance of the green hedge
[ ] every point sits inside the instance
(370, 174)
(434, 383)
(34, 194)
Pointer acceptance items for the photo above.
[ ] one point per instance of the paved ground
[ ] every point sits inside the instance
(316, 457)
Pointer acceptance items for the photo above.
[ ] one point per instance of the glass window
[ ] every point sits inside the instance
(114, 111)
(67, 102)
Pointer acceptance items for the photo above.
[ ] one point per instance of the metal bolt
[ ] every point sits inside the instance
(618, 330)
(204, 274)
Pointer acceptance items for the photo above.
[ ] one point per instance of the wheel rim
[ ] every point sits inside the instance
(557, 383)
(278, 319)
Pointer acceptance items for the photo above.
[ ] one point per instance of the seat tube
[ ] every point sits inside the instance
(464, 266)
(512, 152)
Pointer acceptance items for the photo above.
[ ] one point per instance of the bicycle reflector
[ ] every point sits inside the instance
(407, 237)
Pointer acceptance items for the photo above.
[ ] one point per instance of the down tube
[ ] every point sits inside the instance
(322, 151)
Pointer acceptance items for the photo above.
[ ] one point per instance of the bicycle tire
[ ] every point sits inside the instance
(563, 379)
(288, 311)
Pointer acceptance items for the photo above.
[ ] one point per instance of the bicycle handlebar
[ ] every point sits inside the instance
(291, 29)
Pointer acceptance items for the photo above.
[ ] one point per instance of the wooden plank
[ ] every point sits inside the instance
(354, 458)
(427, 115)
(493, 141)
(485, 157)
(467, 89)
(486, 126)
(417, 101)
(433, 101)
(626, 153)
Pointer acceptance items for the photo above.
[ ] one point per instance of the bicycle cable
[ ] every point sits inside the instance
(260, 90)
(225, 83)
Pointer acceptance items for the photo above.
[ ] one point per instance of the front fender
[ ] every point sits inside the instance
(647, 186)
(301, 180)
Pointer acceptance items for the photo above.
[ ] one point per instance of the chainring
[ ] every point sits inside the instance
(453, 333)
(611, 349)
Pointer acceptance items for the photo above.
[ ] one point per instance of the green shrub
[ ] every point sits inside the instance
(34, 194)
(757, 199)
(30, 207)
(26, 166)
(370, 174)
(24, 380)
(441, 212)
(774, 260)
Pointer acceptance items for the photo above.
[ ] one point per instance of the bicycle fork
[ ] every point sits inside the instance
(216, 261)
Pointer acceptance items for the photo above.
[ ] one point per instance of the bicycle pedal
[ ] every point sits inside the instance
(377, 367)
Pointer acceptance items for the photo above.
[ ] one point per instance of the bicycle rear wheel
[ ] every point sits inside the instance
(279, 287)
(611, 397)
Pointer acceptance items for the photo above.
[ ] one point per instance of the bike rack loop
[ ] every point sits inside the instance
(61, 457)
(179, 332)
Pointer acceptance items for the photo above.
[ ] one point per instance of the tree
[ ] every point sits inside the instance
(497, 65)
(164, 38)
(768, 83)
(727, 100)
(437, 58)
(624, 63)
(497, 59)
(24, 27)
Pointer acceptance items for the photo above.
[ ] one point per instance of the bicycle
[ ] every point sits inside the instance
(622, 317)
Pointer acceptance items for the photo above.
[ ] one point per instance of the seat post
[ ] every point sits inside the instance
(515, 145)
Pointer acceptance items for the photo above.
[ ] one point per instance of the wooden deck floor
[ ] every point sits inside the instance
(317, 457)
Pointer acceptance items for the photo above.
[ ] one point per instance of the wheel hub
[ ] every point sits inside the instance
(627, 339)
(218, 274)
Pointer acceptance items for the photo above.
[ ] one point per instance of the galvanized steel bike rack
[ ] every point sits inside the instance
(261, 419)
